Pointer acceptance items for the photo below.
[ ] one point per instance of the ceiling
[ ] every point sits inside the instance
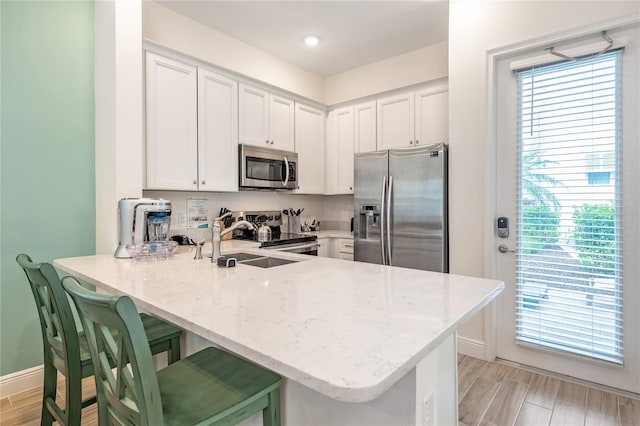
(352, 33)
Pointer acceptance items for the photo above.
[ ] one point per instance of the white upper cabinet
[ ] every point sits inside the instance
(365, 127)
(192, 127)
(340, 149)
(217, 132)
(432, 116)
(310, 144)
(254, 115)
(395, 121)
(265, 120)
(281, 123)
(413, 118)
(172, 134)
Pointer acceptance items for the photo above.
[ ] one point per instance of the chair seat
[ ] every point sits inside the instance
(159, 333)
(210, 385)
(158, 330)
(86, 365)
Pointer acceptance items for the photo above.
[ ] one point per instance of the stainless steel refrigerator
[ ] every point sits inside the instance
(400, 202)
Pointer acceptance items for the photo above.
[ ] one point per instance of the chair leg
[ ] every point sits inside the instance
(271, 414)
(73, 400)
(174, 352)
(49, 393)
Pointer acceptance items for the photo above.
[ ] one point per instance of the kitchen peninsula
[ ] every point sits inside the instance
(357, 343)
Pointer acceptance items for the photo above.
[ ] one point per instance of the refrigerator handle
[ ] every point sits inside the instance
(388, 218)
(382, 219)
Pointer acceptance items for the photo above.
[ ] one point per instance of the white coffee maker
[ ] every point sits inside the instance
(141, 220)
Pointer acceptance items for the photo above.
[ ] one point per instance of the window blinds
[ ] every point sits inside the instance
(569, 264)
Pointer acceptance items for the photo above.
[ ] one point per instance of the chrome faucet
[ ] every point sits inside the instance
(217, 233)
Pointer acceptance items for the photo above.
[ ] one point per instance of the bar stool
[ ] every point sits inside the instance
(65, 347)
(208, 387)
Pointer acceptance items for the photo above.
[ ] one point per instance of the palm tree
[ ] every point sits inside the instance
(532, 179)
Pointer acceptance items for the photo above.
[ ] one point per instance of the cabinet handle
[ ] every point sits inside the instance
(267, 142)
(195, 182)
(204, 182)
(410, 142)
(271, 142)
(417, 141)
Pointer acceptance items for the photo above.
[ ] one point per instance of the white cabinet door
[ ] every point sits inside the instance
(281, 124)
(309, 133)
(365, 127)
(323, 247)
(432, 116)
(171, 113)
(340, 157)
(265, 119)
(395, 121)
(253, 116)
(217, 132)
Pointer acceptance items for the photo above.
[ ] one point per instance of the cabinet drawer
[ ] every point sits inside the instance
(345, 245)
(345, 256)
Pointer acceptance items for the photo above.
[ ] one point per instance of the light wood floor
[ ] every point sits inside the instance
(495, 394)
(489, 394)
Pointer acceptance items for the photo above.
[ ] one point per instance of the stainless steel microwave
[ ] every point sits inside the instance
(264, 168)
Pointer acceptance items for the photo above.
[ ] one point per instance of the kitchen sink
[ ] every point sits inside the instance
(261, 261)
(268, 262)
(241, 257)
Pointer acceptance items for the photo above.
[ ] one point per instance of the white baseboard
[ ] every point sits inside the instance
(21, 381)
(471, 347)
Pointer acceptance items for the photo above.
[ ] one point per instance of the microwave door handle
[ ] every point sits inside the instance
(382, 219)
(286, 176)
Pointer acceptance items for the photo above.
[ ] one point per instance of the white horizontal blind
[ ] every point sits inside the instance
(569, 270)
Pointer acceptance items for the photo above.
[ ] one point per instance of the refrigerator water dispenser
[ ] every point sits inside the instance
(369, 221)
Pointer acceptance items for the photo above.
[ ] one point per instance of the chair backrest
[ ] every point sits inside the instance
(59, 331)
(127, 393)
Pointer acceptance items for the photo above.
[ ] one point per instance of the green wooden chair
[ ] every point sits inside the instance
(208, 387)
(65, 347)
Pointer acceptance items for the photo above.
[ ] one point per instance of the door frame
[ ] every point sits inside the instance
(493, 57)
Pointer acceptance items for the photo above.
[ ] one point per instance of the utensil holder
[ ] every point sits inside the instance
(293, 226)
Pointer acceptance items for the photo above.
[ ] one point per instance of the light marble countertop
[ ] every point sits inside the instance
(348, 330)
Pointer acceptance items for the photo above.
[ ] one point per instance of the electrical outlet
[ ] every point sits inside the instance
(427, 411)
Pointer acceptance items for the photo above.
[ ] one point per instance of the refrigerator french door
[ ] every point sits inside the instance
(400, 203)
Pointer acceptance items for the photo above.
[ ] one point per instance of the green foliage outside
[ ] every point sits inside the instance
(539, 227)
(595, 237)
(534, 182)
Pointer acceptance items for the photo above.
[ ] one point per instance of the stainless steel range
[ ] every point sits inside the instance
(277, 240)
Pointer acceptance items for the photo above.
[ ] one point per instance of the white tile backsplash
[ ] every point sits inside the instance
(333, 211)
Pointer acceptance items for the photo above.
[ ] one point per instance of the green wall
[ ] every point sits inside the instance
(47, 176)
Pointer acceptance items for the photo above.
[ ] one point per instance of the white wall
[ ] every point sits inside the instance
(418, 66)
(174, 31)
(118, 113)
(475, 27)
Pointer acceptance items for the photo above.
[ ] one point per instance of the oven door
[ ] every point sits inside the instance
(308, 248)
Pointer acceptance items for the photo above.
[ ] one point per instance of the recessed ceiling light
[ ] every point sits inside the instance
(311, 40)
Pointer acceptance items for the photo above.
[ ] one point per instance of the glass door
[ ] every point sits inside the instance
(568, 181)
